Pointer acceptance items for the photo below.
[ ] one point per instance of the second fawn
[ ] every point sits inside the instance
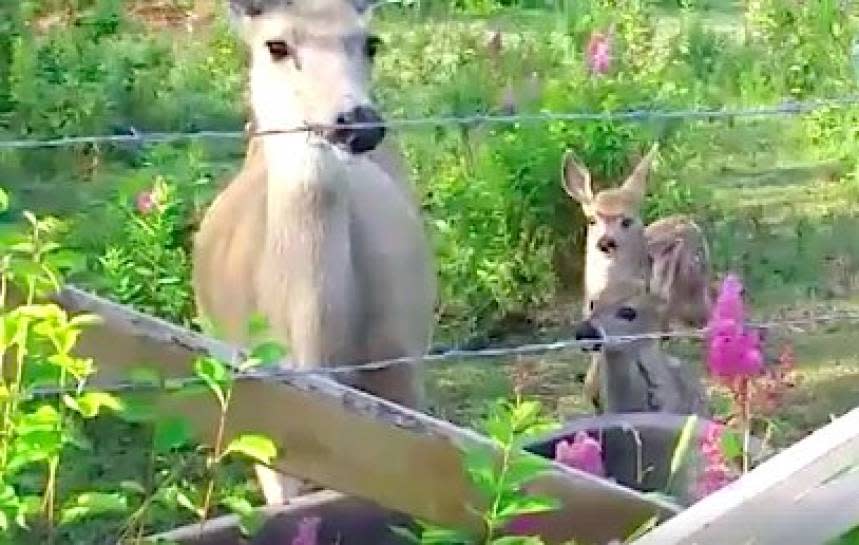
(670, 255)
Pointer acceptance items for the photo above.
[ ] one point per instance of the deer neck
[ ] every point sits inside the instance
(306, 279)
(628, 380)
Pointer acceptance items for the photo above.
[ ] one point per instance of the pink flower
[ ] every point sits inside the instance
(523, 525)
(716, 473)
(584, 453)
(733, 351)
(599, 52)
(145, 202)
(308, 530)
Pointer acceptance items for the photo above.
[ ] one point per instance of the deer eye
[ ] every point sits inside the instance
(592, 220)
(626, 223)
(372, 45)
(626, 313)
(279, 49)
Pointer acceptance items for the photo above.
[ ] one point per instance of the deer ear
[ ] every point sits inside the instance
(637, 181)
(241, 13)
(245, 8)
(576, 179)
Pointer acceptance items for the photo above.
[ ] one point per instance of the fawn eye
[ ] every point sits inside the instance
(372, 46)
(626, 223)
(592, 220)
(279, 49)
(626, 313)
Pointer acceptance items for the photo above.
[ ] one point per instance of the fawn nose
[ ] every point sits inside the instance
(586, 331)
(607, 245)
(358, 139)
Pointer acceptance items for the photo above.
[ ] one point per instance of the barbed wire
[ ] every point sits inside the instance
(135, 136)
(284, 370)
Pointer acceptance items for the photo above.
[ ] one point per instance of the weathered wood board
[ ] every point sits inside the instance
(350, 441)
(804, 495)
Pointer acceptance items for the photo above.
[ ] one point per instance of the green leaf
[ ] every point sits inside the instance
(93, 504)
(683, 443)
(268, 354)
(86, 320)
(524, 468)
(145, 376)
(250, 520)
(528, 505)
(171, 433)
(4, 200)
(184, 501)
(257, 447)
(732, 445)
(214, 373)
(89, 405)
(257, 325)
(480, 466)
(517, 540)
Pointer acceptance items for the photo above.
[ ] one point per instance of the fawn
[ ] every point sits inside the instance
(637, 376)
(670, 255)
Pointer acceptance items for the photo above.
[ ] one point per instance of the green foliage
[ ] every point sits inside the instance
(500, 476)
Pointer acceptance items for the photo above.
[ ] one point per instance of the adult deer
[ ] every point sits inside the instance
(318, 232)
(670, 255)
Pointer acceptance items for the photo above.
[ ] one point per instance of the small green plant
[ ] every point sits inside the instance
(500, 476)
(37, 342)
(148, 266)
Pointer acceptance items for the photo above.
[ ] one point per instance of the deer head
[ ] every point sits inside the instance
(613, 215)
(310, 65)
(624, 308)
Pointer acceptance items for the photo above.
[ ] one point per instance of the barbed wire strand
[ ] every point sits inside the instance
(787, 108)
(284, 372)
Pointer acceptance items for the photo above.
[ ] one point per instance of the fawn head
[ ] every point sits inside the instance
(310, 66)
(613, 215)
(623, 308)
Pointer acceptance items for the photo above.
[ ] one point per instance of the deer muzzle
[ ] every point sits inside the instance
(586, 331)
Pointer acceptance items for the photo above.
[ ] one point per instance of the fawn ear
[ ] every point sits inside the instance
(637, 181)
(576, 179)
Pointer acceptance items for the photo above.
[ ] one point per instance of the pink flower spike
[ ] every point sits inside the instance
(145, 202)
(583, 453)
(308, 531)
(732, 350)
(599, 53)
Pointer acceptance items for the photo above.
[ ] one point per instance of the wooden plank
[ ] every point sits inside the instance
(350, 441)
(773, 504)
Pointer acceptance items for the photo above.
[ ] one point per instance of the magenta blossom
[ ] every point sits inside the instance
(583, 453)
(145, 202)
(308, 531)
(733, 351)
(599, 52)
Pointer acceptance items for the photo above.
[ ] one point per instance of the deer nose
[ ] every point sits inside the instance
(586, 331)
(607, 245)
(358, 139)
